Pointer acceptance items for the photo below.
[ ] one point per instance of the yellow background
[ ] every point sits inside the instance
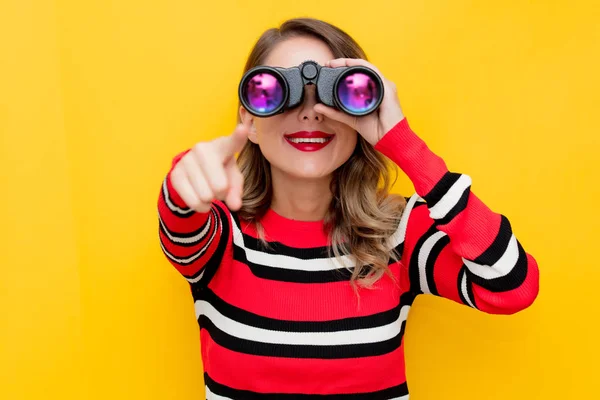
(96, 96)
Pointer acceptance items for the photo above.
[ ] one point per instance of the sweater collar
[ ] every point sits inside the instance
(272, 220)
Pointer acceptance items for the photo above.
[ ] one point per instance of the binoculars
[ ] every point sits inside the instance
(266, 91)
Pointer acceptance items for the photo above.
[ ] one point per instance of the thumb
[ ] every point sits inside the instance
(336, 115)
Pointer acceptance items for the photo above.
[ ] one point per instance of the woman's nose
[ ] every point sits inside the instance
(310, 99)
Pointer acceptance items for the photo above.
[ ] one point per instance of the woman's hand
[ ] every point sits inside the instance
(209, 171)
(373, 126)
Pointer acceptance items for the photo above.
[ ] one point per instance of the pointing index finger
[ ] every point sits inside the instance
(233, 143)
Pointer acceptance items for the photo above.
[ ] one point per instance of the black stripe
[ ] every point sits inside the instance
(431, 260)
(291, 275)
(214, 261)
(458, 207)
(459, 285)
(400, 251)
(345, 324)
(417, 203)
(413, 265)
(441, 188)
(498, 246)
(510, 281)
(299, 276)
(407, 298)
(298, 351)
(470, 288)
(225, 391)
(462, 272)
(283, 274)
(165, 229)
(279, 248)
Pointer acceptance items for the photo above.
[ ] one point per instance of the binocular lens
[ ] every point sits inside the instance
(263, 92)
(358, 92)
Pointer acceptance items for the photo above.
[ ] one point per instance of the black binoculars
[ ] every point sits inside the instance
(266, 91)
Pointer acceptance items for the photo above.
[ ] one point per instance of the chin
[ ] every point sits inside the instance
(309, 173)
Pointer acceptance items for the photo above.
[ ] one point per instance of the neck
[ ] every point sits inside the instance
(300, 199)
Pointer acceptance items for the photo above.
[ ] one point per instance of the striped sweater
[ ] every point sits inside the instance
(284, 323)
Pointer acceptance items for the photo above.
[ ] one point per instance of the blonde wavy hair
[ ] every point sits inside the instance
(362, 209)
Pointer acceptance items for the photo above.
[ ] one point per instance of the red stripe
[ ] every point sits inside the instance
(304, 301)
(419, 223)
(292, 375)
(445, 274)
(279, 231)
(474, 229)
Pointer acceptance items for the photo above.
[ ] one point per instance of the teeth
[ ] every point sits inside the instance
(309, 140)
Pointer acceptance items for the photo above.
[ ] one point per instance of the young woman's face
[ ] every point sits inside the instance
(291, 155)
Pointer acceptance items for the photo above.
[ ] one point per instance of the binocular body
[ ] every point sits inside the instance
(266, 91)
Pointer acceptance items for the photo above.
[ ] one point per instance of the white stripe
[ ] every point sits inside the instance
(197, 254)
(465, 292)
(452, 196)
(424, 255)
(188, 240)
(196, 279)
(247, 332)
(398, 236)
(287, 262)
(405, 397)
(211, 396)
(170, 204)
(502, 267)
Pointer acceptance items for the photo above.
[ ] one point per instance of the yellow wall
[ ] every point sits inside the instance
(97, 96)
(41, 337)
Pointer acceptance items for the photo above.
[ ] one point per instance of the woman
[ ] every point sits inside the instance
(302, 265)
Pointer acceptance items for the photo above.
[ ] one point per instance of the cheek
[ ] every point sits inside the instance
(347, 144)
(267, 129)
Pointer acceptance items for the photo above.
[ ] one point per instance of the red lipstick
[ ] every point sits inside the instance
(309, 141)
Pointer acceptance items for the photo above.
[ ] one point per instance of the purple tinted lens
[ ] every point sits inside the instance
(263, 93)
(358, 92)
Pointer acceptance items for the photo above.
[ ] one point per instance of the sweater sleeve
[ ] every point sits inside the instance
(454, 245)
(194, 243)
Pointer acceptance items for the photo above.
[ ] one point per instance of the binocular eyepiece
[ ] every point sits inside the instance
(266, 91)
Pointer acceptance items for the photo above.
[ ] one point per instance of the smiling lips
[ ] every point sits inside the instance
(309, 141)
